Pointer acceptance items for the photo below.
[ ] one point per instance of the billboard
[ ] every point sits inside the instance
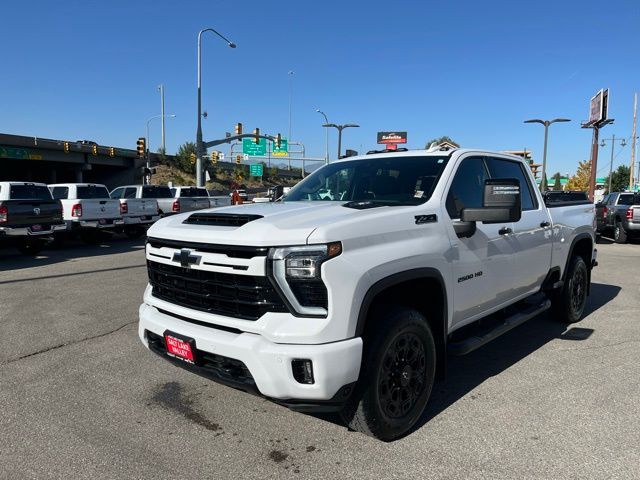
(599, 107)
(392, 137)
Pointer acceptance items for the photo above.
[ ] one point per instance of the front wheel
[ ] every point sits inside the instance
(398, 374)
(569, 303)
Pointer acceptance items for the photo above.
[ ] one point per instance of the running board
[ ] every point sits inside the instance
(469, 344)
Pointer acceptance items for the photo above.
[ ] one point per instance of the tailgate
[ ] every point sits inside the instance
(25, 213)
(93, 209)
(636, 214)
(142, 207)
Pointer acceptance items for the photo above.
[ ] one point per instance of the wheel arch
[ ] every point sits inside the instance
(581, 245)
(409, 288)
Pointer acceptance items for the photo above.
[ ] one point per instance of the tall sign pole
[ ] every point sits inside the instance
(632, 180)
(598, 118)
(161, 88)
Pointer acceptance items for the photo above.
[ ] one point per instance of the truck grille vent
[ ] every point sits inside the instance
(221, 219)
(228, 294)
(309, 293)
(233, 251)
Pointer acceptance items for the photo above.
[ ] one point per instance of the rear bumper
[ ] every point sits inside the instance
(27, 232)
(632, 227)
(140, 220)
(336, 365)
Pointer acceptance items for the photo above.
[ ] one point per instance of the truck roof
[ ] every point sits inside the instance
(430, 153)
(76, 185)
(10, 182)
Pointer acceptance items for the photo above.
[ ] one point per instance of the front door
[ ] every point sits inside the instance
(481, 262)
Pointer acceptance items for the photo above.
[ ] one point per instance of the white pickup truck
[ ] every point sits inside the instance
(138, 213)
(192, 198)
(352, 303)
(87, 209)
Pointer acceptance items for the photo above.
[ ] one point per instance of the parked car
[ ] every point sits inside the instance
(167, 204)
(352, 305)
(138, 213)
(87, 209)
(191, 198)
(29, 216)
(619, 213)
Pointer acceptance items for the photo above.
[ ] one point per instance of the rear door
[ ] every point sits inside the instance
(531, 239)
(480, 263)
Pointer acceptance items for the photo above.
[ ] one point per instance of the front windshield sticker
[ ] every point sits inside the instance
(418, 194)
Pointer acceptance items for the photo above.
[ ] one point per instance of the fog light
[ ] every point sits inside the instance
(302, 371)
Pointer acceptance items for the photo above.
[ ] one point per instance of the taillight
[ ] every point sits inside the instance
(629, 213)
(176, 206)
(4, 214)
(76, 210)
(604, 213)
(124, 208)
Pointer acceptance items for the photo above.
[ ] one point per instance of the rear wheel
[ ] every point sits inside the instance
(569, 303)
(30, 247)
(619, 233)
(134, 232)
(397, 377)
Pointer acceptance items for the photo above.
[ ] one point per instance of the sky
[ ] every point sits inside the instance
(467, 69)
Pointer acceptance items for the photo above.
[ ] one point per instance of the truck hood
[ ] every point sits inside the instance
(281, 223)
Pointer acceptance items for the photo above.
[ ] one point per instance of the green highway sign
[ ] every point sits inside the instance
(283, 151)
(249, 147)
(255, 170)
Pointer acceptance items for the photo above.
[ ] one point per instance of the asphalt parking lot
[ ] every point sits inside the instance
(82, 398)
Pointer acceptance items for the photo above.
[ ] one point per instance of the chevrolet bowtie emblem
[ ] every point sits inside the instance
(185, 258)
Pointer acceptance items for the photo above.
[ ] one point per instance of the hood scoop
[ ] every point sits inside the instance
(220, 219)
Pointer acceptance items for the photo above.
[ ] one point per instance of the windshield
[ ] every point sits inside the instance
(92, 191)
(390, 180)
(156, 191)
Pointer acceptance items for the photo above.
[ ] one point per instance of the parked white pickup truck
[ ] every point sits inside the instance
(192, 198)
(87, 208)
(352, 304)
(138, 213)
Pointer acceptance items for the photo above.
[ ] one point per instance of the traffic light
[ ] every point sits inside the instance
(278, 140)
(238, 159)
(256, 140)
(214, 156)
(141, 146)
(192, 158)
(66, 147)
(112, 152)
(238, 129)
(94, 149)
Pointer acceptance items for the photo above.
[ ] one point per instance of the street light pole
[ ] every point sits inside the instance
(546, 123)
(199, 181)
(148, 140)
(613, 145)
(161, 89)
(326, 137)
(340, 128)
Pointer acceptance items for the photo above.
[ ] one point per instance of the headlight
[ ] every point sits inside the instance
(296, 272)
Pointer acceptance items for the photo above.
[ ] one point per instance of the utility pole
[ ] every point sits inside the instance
(291, 73)
(613, 146)
(632, 180)
(163, 145)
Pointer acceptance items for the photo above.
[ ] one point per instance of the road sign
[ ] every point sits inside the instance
(249, 147)
(221, 156)
(245, 157)
(283, 151)
(255, 169)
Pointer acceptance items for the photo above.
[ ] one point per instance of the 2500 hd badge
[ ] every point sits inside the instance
(464, 278)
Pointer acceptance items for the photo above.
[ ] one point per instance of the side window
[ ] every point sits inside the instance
(117, 193)
(467, 188)
(60, 193)
(499, 168)
(611, 200)
(129, 192)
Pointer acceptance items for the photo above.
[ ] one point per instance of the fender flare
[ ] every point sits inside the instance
(396, 279)
(577, 238)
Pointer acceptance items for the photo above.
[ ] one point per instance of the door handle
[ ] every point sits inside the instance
(505, 231)
(545, 224)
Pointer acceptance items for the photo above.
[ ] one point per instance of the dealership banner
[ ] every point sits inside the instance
(392, 137)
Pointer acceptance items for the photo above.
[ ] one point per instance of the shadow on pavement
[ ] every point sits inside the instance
(468, 372)
(12, 259)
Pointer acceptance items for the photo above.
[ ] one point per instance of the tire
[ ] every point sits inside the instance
(90, 237)
(619, 233)
(30, 247)
(376, 408)
(569, 304)
(134, 232)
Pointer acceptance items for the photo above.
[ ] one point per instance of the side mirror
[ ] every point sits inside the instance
(501, 203)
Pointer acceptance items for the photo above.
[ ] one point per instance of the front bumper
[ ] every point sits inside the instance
(335, 365)
(28, 232)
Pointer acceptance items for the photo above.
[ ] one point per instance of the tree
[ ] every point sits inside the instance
(184, 158)
(580, 181)
(619, 179)
(442, 139)
(557, 185)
